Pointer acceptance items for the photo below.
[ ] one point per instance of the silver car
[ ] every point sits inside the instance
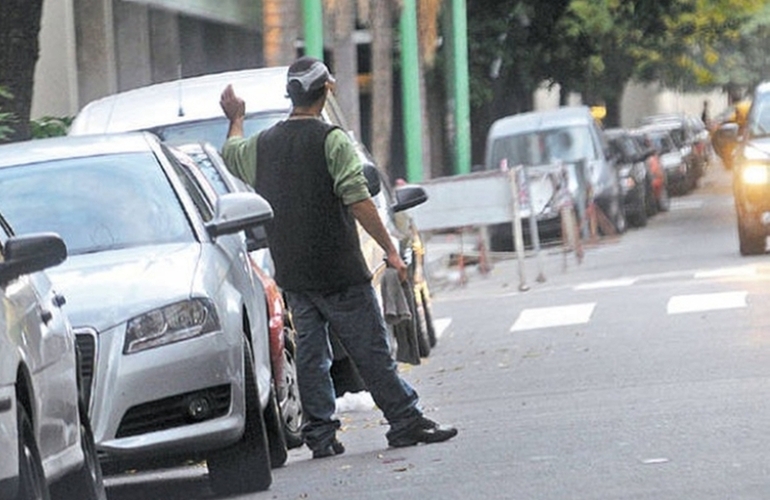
(168, 313)
(45, 435)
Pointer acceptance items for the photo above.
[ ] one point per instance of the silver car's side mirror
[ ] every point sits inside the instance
(236, 212)
(31, 253)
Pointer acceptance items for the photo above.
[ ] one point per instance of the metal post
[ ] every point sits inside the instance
(518, 236)
(460, 87)
(312, 14)
(410, 87)
(533, 230)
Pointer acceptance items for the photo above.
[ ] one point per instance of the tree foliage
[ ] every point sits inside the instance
(742, 62)
(510, 43)
(19, 47)
(595, 47)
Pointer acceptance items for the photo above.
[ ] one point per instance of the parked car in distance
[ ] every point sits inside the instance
(751, 173)
(46, 443)
(660, 202)
(171, 326)
(671, 159)
(701, 142)
(543, 140)
(187, 110)
(634, 179)
(689, 143)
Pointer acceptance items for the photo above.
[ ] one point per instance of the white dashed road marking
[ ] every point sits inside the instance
(606, 284)
(440, 325)
(544, 317)
(727, 272)
(686, 204)
(706, 302)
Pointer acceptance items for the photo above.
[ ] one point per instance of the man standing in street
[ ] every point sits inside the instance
(310, 173)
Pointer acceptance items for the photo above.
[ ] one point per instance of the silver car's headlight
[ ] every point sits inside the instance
(172, 323)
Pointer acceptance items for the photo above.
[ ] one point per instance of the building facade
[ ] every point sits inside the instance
(93, 48)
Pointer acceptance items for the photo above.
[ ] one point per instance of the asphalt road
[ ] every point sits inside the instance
(640, 373)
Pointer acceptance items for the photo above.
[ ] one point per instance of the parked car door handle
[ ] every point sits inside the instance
(46, 316)
(59, 300)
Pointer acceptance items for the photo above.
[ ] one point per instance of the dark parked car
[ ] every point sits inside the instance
(636, 184)
(660, 202)
(689, 142)
(673, 163)
(751, 174)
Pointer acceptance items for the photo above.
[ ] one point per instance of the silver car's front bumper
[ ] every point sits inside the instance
(180, 398)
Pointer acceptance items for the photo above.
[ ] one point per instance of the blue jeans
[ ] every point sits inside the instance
(355, 317)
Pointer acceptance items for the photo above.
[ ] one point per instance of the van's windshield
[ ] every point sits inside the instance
(214, 131)
(544, 147)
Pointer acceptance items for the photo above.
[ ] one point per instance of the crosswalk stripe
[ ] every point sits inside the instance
(606, 284)
(440, 325)
(726, 272)
(544, 317)
(706, 302)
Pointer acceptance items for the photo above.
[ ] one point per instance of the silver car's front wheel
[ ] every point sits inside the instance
(245, 466)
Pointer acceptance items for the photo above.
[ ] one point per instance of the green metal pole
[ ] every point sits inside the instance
(410, 88)
(461, 88)
(312, 13)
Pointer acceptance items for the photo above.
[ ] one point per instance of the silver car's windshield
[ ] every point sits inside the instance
(215, 131)
(95, 204)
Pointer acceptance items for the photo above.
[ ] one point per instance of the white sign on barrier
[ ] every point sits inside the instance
(484, 198)
(476, 199)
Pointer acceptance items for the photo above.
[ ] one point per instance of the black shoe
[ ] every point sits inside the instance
(331, 449)
(423, 431)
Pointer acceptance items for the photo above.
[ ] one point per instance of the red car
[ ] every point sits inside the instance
(656, 173)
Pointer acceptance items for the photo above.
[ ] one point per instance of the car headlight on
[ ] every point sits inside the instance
(172, 323)
(756, 174)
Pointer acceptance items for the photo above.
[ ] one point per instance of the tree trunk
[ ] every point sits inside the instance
(345, 62)
(19, 50)
(428, 12)
(382, 80)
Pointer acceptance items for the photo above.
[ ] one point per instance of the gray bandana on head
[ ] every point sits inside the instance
(312, 78)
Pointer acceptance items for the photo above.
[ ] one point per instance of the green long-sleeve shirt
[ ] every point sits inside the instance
(240, 155)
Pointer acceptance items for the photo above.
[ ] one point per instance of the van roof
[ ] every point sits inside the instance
(540, 120)
(184, 100)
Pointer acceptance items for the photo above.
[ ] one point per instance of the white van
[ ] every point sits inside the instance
(542, 142)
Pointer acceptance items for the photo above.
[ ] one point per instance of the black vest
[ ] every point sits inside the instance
(313, 236)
